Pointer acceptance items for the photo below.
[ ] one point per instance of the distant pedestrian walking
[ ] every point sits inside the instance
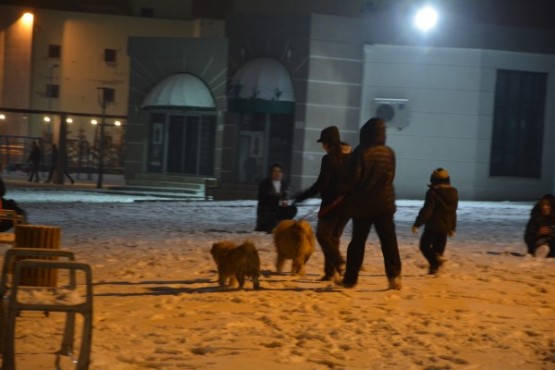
(34, 159)
(439, 215)
(54, 164)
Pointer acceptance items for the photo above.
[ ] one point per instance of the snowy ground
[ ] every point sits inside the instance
(157, 304)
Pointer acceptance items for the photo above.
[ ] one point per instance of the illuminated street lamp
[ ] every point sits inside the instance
(426, 18)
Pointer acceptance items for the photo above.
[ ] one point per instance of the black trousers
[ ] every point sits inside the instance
(385, 228)
(34, 172)
(432, 246)
(328, 233)
(52, 169)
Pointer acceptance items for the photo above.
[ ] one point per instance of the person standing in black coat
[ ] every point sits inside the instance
(54, 164)
(273, 207)
(34, 158)
(439, 215)
(372, 202)
(332, 216)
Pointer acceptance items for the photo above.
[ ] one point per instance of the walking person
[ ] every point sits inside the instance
(34, 159)
(54, 165)
(439, 215)
(332, 217)
(372, 202)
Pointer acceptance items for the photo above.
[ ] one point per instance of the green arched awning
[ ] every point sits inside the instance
(180, 91)
(262, 85)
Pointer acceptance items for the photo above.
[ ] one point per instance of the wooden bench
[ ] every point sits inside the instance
(8, 237)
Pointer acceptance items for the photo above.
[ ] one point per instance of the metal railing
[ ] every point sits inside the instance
(82, 157)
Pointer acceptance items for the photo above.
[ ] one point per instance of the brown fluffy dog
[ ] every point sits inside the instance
(235, 262)
(294, 240)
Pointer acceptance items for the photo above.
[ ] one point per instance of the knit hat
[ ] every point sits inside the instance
(329, 135)
(440, 176)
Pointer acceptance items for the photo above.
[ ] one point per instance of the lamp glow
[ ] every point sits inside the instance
(117, 123)
(28, 18)
(69, 120)
(2, 116)
(426, 18)
(46, 119)
(94, 122)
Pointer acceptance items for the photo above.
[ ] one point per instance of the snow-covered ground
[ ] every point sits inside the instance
(157, 304)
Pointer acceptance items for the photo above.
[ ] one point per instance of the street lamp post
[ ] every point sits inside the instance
(103, 103)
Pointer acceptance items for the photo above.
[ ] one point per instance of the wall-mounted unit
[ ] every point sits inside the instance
(394, 112)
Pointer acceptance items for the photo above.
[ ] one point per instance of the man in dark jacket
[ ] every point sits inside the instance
(439, 215)
(372, 202)
(332, 217)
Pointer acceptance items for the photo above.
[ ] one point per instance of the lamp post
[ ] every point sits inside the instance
(103, 103)
(48, 119)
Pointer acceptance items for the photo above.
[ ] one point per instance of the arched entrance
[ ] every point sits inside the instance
(261, 94)
(182, 126)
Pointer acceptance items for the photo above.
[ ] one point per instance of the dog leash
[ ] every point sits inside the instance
(309, 214)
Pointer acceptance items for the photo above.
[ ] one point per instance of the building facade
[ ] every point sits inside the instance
(207, 103)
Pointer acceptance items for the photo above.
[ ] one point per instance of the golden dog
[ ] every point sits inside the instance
(235, 262)
(294, 240)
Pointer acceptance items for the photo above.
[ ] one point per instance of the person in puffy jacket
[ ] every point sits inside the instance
(371, 201)
(439, 215)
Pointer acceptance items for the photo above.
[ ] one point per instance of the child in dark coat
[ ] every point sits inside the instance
(439, 215)
(540, 229)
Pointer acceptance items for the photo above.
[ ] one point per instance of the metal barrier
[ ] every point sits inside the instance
(82, 157)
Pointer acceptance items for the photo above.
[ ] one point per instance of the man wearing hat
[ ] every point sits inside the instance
(439, 215)
(332, 217)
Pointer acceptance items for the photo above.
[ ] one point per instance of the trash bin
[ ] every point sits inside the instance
(38, 236)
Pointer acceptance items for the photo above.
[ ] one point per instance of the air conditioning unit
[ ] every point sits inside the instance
(394, 112)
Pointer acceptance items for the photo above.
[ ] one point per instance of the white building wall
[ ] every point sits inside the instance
(451, 100)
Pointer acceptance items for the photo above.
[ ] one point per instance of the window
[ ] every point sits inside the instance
(110, 55)
(54, 51)
(518, 124)
(52, 91)
(147, 12)
(109, 95)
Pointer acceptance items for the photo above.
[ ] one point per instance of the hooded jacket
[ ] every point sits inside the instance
(372, 173)
(439, 212)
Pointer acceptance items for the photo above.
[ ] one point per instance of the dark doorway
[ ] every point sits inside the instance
(189, 141)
